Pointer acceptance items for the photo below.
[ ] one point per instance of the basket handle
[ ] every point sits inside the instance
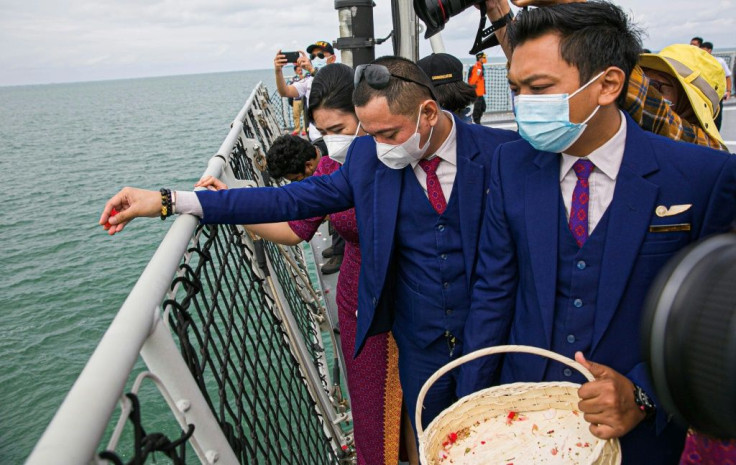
(491, 351)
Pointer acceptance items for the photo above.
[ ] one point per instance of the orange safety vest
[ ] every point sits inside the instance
(476, 78)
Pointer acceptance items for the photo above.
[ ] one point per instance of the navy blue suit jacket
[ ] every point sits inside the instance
(373, 189)
(514, 296)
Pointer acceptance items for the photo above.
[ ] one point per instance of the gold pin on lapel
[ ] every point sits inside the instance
(663, 211)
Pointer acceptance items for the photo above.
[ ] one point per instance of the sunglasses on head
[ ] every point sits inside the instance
(316, 55)
(378, 77)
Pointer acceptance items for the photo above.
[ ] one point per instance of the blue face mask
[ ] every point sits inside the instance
(544, 120)
(319, 63)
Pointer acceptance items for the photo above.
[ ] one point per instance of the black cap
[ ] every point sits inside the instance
(442, 68)
(326, 46)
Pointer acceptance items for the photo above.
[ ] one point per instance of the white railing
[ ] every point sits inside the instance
(76, 431)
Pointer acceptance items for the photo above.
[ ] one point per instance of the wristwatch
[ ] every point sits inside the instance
(644, 403)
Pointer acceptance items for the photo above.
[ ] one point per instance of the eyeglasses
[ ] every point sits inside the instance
(659, 84)
(378, 77)
(316, 55)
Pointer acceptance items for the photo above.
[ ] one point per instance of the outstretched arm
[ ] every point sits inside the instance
(280, 233)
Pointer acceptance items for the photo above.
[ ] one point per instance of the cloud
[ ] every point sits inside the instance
(51, 41)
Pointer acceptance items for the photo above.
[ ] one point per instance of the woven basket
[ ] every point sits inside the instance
(486, 414)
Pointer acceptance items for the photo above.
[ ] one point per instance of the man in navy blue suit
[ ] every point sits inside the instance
(419, 187)
(582, 215)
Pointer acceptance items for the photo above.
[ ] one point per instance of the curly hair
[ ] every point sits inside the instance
(289, 155)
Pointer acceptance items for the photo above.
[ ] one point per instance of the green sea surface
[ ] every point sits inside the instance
(64, 150)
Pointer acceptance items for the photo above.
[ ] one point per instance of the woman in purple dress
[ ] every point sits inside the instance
(373, 381)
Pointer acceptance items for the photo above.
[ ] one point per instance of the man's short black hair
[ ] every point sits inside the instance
(707, 45)
(403, 97)
(593, 36)
(697, 39)
(289, 155)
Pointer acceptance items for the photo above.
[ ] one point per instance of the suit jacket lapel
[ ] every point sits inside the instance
(542, 213)
(385, 209)
(469, 189)
(633, 202)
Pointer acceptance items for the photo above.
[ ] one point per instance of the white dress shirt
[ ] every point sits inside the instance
(446, 170)
(602, 181)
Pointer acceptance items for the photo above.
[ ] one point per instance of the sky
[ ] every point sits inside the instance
(48, 41)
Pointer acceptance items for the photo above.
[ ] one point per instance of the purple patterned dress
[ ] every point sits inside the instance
(701, 449)
(373, 377)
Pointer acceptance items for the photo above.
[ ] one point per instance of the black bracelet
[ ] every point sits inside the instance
(166, 209)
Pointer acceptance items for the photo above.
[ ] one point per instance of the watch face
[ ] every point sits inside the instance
(642, 399)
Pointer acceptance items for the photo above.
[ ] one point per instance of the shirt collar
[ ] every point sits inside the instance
(606, 158)
(448, 150)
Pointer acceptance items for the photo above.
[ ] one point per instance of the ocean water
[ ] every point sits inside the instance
(64, 150)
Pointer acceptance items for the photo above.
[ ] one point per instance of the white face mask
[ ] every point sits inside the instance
(338, 144)
(399, 156)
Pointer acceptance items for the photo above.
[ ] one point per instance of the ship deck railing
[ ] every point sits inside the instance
(236, 338)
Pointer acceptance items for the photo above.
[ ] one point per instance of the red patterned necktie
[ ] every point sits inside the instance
(434, 189)
(580, 201)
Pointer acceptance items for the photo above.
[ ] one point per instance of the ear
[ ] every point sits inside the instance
(613, 83)
(432, 110)
(309, 167)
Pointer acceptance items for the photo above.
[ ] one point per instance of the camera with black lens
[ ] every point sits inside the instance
(689, 336)
(435, 13)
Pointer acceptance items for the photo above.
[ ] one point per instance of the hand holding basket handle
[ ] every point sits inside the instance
(608, 401)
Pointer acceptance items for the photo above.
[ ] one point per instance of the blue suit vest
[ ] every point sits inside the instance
(432, 298)
(578, 275)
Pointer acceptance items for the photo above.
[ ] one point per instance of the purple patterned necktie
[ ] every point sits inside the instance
(580, 201)
(434, 189)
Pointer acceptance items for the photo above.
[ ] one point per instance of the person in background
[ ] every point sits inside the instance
(695, 100)
(297, 105)
(696, 41)
(476, 78)
(321, 54)
(708, 47)
(581, 217)
(302, 88)
(294, 158)
(453, 93)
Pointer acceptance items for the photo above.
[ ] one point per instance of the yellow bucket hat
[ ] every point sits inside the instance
(699, 74)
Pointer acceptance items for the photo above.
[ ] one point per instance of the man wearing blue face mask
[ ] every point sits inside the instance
(317, 56)
(419, 184)
(321, 54)
(581, 217)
